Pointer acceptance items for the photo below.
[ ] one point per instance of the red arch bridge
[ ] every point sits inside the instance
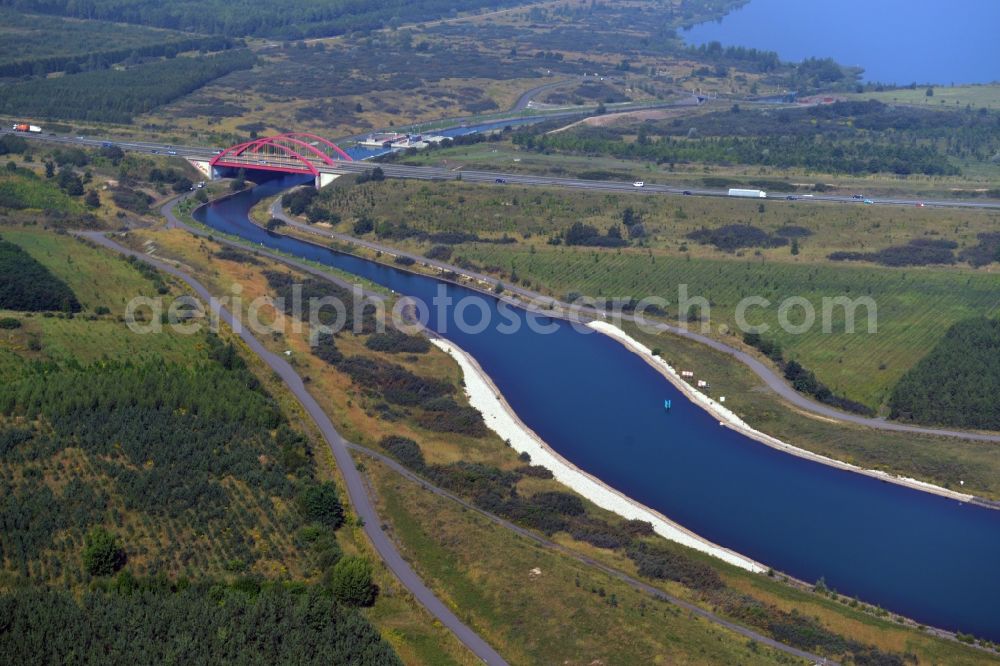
(293, 152)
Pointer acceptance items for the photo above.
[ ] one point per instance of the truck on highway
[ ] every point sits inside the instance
(753, 194)
(25, 127)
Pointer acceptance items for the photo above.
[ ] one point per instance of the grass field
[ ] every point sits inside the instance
(914, 305)
(474, 562)
(566, 613)
(945, 97)
(35, 192)
(95, 276)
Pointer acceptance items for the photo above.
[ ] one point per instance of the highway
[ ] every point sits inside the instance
(500, 178)
(774, 381)
(617, 186)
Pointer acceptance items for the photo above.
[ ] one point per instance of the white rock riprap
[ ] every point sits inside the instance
(499, 417)
(729, 419)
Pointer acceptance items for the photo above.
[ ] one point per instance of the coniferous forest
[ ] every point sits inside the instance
(142, 622)
(957, 384)
(117, 95)
(292, 19)
(101, 464)
(27, 285)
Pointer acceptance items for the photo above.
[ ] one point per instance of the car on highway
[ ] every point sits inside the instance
(638, 183)
(869, 201)
(500, 181)
(686, 193)
(171, 152)
(791, 197)
(920, 204)
(858, 197)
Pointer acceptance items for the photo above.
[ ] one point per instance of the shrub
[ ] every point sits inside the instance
(733, 237)
(28, 285)
(9, 323)
(564, 503)
(445, 415)
(663, 563)
(405, 450)
(326, 349)
(351, 582)
(536, 471)
(395, 341)
(321, 503)
(240, 257)
(397, 384)
(364, 225)
(102, 556)
(439, 253)
(918, 252)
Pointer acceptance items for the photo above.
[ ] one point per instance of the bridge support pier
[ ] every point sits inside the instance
(205, 167)
(323, 179)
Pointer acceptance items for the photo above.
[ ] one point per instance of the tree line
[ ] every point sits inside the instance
(288, 19)
(803, 379)
(845, 137)
(117, 96)
(957, 383)
(29, 286)
(139, 622)
(103, 59)
(817, 153)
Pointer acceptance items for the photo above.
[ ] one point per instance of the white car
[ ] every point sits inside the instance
(638, 183)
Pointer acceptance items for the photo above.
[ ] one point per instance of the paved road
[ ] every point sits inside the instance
(362, 501)
(772, 379)
(356, 488)
(611, 571)
(525, 99)
(360, 498)
(499, 178)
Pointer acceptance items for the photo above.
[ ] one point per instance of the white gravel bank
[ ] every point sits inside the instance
(731, 420)
(499, 417)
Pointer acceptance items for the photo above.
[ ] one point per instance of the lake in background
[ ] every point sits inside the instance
(895, 41)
